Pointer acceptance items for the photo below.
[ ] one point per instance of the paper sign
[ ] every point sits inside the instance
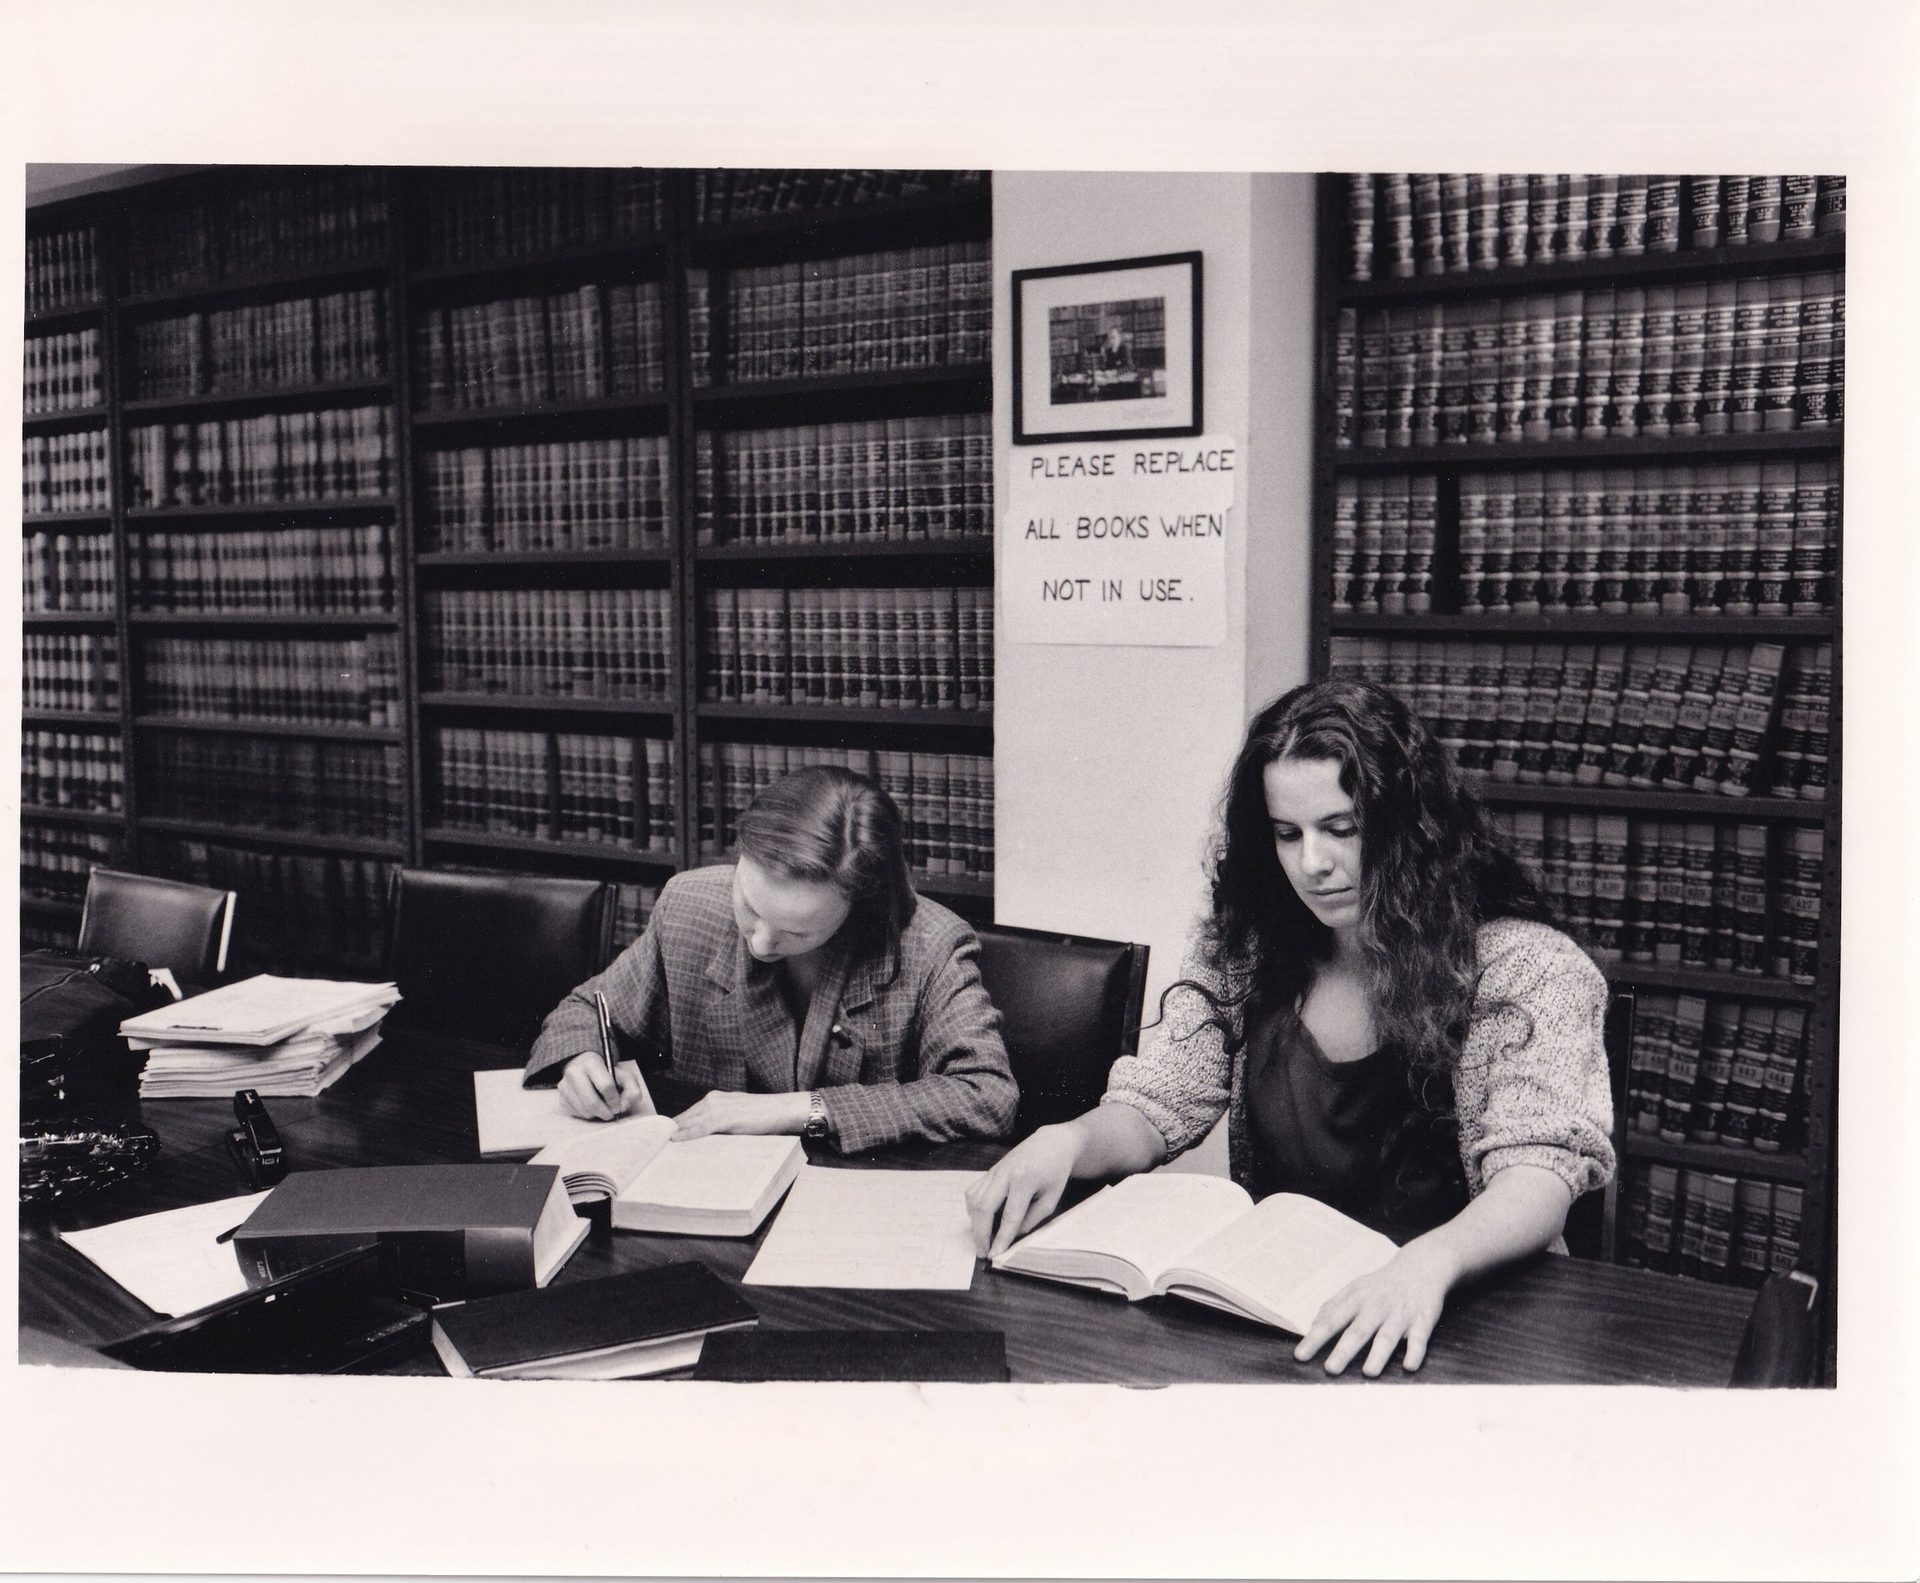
(1118, 542)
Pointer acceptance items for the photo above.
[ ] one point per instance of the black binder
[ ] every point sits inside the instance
(341, 1313)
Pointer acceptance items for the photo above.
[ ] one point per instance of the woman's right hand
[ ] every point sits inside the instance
(1025, 1187)
(587, 1091)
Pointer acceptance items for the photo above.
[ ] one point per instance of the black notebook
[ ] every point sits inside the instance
(969, 1356)
(614, 1328)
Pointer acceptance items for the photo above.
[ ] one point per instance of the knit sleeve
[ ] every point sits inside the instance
(1532, 1086)
(1181, 1080)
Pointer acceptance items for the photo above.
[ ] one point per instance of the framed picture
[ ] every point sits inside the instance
(1107, 351)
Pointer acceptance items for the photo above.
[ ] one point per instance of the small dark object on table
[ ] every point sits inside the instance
(64, 1157)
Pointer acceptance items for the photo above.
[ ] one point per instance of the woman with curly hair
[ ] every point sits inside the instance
(1378, 1003)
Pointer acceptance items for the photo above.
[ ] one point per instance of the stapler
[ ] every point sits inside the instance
(255, 1144)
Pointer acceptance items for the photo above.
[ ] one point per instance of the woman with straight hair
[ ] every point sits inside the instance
(1381, 1007)
(805, 985)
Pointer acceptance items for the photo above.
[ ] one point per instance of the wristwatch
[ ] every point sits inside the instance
(816, 1126)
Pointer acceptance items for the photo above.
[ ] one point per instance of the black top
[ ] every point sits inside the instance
(1349, 1133)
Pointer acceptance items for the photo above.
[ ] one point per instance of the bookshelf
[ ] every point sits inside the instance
(1625, 624)
(371, 515)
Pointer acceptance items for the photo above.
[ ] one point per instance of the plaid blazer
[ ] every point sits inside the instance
(916, 1055)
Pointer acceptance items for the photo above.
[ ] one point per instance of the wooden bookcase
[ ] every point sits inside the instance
(1808, 1161)
(431, 242)
(77, 241)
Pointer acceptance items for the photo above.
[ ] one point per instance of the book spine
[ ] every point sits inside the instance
(439, 1262)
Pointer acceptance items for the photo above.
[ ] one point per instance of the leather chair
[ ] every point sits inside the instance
(162, 922)
(1777, 1348)
(1070, 1005)
(1592, 1213)
(480, 959)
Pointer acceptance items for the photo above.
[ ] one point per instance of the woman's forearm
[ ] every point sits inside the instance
(1115, 1141)
(1521, 1211)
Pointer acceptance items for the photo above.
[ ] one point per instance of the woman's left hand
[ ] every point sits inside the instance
(728, 1112)
(1400, 1301)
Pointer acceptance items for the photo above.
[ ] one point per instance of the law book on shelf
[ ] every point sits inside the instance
(722, 1185)
(617, 1327)
(1781, 1080)
(1753, 1231)
(1203, 1238)
(458, 1230)
(1783, 1252)
(1679, 1081)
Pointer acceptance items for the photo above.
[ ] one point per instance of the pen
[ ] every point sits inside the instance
(606, 1034)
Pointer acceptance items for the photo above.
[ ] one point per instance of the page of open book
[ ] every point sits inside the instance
(1289, 1255)
(1149, 1221)
(871, 1230)
(171, 1260)
(604, 1160)
(722, 1171)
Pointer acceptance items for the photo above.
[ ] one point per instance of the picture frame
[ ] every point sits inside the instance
(1108, 350)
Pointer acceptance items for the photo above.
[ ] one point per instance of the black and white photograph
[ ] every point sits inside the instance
(1109, 350)
(633, 862)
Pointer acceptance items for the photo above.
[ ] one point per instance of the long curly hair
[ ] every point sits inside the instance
(1433, 869)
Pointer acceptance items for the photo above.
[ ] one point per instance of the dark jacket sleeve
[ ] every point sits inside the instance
(636, 989)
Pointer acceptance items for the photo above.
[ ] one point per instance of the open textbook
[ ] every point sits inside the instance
(722, 1185)
(1205, 1239)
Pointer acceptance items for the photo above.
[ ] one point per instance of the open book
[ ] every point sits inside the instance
(722, 1185)
(1203, 1238)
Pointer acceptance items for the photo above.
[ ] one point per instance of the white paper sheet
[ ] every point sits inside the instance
(516, 1120)
(871, 1230)
(170, 1260)
(258, 1010)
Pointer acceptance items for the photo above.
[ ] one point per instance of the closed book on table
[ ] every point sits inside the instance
(458, 1230)
(925, 1356)
(613, 1328)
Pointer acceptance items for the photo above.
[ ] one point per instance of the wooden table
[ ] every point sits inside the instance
(1549, 1320)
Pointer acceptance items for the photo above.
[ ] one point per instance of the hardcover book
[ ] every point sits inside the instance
(722, 1185)
(458, 1230)
(1205, 1239)
(618, 1327)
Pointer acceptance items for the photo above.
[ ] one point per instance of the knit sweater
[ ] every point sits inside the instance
(1531, 1087)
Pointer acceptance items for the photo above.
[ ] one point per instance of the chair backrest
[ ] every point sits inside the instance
(1777, 1347)
(483, 958)
(1587, 1220)
(1070, 1005)
(162, 922)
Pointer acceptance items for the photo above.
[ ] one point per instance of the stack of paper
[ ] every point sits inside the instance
(273, 1035)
